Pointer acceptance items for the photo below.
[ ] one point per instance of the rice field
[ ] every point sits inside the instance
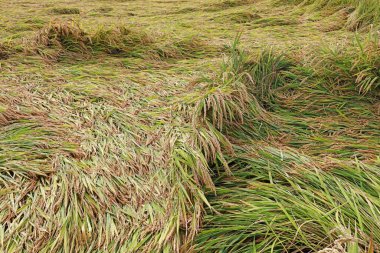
(189, 126)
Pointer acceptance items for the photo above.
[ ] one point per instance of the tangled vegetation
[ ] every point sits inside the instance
(361, 13)
(239, 132)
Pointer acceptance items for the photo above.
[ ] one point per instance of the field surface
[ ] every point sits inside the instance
(189, 126)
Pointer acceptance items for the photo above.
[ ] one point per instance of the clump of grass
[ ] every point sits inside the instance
(58, 38)
(231, 102)
(119, 39)
(367, 12)
(245, 80)
(225, 99)
(334, 22)
(267, 72)
(276, 202)
(364, 14)
(65, 11)
(356, 65)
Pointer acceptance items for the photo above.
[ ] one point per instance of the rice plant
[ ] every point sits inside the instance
(357, 65)
(67, 35)
(118, 39)
(280, 202)
(267, 73)
(363, 14)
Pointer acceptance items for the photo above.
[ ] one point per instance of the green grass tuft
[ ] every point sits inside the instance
(356, 66)
(364, 12)
(280, 202)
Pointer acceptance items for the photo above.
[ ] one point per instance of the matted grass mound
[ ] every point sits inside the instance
(280, 201)
(60, 38)
(357, 66)
(363, 13)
